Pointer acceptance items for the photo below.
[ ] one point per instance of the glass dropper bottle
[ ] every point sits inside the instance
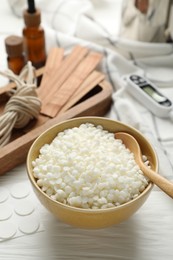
(34, 37)
(15, 54)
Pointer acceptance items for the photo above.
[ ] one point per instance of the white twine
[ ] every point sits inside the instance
(23, 104)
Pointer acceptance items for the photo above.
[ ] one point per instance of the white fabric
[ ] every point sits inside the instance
(96, 24)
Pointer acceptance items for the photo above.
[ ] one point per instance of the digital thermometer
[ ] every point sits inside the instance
(148, 94)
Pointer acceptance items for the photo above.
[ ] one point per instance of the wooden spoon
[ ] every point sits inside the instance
(131, 143)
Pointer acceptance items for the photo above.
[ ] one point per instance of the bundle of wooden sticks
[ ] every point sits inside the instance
(67, 79)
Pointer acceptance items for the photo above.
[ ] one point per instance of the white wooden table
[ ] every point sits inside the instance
(148, 235)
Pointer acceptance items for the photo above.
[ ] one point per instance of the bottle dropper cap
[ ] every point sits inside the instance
(14, 46)
(32, 16)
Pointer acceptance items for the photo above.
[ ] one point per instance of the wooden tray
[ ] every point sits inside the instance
(95, 103)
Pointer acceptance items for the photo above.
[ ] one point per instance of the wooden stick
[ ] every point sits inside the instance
(53, 62)
(89, 83)
(67, 89)
(67, 67)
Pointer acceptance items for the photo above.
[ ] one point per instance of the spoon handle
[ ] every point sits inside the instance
(160, 181)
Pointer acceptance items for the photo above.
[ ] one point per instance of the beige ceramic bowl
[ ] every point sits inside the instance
(89, 218)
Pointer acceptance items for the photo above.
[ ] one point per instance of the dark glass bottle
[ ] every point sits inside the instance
(14, 49)
(34, 39)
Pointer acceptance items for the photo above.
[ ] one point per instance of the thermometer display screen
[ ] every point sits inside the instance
(154, 94)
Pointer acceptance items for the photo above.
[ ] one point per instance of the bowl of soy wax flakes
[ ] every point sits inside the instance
(85, 176)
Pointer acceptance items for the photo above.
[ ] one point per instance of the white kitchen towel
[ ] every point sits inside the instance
(96, 24)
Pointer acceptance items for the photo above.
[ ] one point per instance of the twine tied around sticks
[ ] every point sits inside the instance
(23, 104)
